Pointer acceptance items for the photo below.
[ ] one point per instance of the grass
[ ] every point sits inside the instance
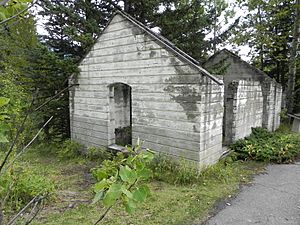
(168, 204)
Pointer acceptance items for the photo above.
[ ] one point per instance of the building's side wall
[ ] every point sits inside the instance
(230, 101)
(235, 69)
(277, 106)
(211, 121)
(247, 108)
(269, 93)
(296, 125)
(166, 93)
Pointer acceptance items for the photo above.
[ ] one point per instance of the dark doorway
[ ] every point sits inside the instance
(120, 114)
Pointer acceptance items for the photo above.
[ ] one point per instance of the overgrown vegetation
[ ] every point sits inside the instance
(20, 185)
(262, 145)
(70, 149)
(172, 200)
(164, 168)
(98, 154)
(123, 179)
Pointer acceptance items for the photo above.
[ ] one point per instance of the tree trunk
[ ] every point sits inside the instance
(293, 60)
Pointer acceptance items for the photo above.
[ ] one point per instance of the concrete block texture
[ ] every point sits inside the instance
(173, 105)
(244, 88)
(244, 109)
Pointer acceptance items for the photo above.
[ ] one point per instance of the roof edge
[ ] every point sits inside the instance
(244, 62)
(178, 52)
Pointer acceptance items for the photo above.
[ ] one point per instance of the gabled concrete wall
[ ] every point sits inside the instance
(175, 108)
(234, 70)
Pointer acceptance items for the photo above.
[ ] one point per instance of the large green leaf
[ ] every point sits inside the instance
(141, 193)
(99, 196)
(2, 16)
(144, 173)
(113, 193)
(148, 155)
(101, 185)
(127, 193)
(127, 174)
(130, 205)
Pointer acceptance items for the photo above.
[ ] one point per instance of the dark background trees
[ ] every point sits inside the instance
(72, 26)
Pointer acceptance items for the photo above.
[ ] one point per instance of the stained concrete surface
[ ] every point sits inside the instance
(272, 199)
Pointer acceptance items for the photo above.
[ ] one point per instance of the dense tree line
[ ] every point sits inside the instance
(30, 64)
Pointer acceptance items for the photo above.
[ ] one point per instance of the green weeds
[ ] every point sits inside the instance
(20, 185)
(70, 149)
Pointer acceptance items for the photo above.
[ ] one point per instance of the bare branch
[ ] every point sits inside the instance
(18, 14)
(36, 199)
(103, 215)
(32, 140)
(22, 210)
(24, 120)
(53, 97)
(34, 212)
(19, 131)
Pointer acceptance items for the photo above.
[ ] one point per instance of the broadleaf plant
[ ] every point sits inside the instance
(123, 179)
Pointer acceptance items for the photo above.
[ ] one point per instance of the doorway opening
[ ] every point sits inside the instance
(120, 121)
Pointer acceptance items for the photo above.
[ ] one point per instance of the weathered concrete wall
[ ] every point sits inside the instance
(234, 69)
(245, 109)
(211, 121)
(272, 94)
(171, 100)
(277, 107)
(268, 92)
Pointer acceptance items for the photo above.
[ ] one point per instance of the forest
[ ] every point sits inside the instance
(41, 45)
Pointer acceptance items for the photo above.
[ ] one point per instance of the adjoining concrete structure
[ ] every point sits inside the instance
(251, 97)
(296, 122)
(136, 84)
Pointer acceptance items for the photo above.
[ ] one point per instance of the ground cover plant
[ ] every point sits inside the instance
(281, 146)
(175, 198)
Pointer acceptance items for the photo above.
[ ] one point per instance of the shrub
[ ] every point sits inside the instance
(98, 154)
(18, 187)
(123, 179)
(265, 146)
(70, 149)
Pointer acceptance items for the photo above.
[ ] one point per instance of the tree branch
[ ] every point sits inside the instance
(107, 210)
(53, 97)
(34, 212)
(18, 14)
(32, 140)
(36, 199)
(19, 131)
(103, 215)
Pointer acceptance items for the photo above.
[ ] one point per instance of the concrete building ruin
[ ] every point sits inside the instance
(251, 97)
(136, 84)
